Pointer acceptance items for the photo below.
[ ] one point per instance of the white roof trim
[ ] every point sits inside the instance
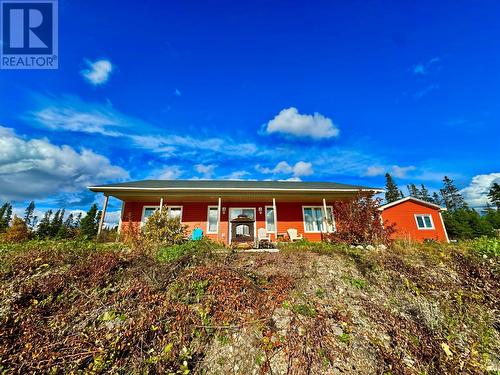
(110, 188)
(383, 207)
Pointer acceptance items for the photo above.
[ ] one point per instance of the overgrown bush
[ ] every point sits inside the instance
(485, 246)
(162, 230)
(359, 222)
(17, 232)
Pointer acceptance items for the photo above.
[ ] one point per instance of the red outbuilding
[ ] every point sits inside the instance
(415, 219)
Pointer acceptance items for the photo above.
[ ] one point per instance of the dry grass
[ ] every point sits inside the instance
(315, 309)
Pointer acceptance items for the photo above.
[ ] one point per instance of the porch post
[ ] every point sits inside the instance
(103, 214)
(275, 220)
(121, 217)
(161, 204)
(325, 215)
(219, 208)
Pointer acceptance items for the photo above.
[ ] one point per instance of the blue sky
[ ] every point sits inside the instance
(328, 91)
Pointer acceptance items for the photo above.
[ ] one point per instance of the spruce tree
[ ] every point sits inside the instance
(452, 198)
(29, 215)
(424, 194)
(401, 194)
(391, 189)
(494, 195)
(413, 191)
(5, 216)
(90, 223)
(436, 199)
(43, 229)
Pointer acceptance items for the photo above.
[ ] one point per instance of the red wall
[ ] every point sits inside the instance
(403, 215)
(194, 214)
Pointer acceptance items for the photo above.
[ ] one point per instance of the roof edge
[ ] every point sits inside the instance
(421, 201)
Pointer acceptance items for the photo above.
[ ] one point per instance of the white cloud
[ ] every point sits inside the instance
(206, 170)
(36, 168)
(68, 113)
(97, 72)
(476, 193)
(169, 173)
(291, 123)
(395, 170)
(300, 168)
(177, 92)
(237, 175)
(401, 172)
(423, 68)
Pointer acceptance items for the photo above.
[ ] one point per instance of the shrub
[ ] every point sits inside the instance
(177, 251)
(17, 232)
(162, 230)
(485, 246)
(358, 222)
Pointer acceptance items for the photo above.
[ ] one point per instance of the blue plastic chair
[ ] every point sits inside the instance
(197, 234)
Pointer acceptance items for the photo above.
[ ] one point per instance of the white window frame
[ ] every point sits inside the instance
(208, 220)
(144, 208)
(334, 227)
(265, 218)
(425, 228)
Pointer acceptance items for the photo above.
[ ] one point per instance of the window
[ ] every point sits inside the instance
(235, 212)
(314, 220)
(270, 219)
(213, 218)
(424, 222)
(173, 211)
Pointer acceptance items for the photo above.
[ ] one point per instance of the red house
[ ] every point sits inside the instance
(415, 219)
(234, 211)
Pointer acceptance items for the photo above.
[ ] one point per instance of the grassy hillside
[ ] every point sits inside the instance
(92, 308)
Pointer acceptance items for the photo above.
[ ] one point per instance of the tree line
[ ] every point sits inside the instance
(461, 221)
(54, 225)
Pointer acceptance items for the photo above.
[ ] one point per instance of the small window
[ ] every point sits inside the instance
(424, 222)
(174, 211)
(314, 219)
(213, 218)
(148, 211)
(270, 219)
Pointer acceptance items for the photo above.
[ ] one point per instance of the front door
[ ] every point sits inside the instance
(234, 213)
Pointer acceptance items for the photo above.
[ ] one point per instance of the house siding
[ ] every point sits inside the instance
(403, 215)
(194, 214)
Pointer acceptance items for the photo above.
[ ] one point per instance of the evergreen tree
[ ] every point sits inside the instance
(391, 189)
(90, 223)
(56, 223)
(452, 198)
(401, 194)
(29, 215)
(424, 194)
(5, 216)
(413, 191)
(436, 199)
(494, 195)
(43, 230)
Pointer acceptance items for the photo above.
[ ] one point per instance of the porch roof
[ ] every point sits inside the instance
(193, 189)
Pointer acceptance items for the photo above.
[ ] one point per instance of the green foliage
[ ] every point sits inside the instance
(177, 251)
(357, 283)
(304, 309)
(494, 195)
(163, 230)
(29, 215)
(466, 223)
(345, 338)
(392, 192)
(485, 246)
(90, 223)
(452, 198)
(5, 216)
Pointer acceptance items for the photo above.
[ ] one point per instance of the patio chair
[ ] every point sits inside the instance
(263, 239)
(197, 234)
(292, 233)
